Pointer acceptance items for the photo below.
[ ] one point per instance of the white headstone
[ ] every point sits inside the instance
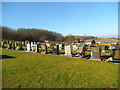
(31, 44)
(68, 50)
(28, 47)
(60, 46)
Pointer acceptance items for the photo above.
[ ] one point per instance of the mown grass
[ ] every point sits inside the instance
(35, 70)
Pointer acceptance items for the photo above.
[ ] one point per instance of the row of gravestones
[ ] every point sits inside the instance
(34, 47)
(11, 45)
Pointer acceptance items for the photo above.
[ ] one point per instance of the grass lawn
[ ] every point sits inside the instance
(35, 70)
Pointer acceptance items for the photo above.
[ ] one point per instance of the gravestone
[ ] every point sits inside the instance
(13, 45)
(31, 44)
(93, 42)
(95, 53)
(20, 46)
(3, 44)
(115, 53)
(60, 46)
(23, 43)
(44, 49)
(35, 48)
(68, 50)
(10, 46)
(28, 47)
(55, 50)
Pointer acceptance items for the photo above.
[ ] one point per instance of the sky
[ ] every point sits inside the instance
(75, 18)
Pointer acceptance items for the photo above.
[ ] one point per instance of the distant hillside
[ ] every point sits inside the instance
(23, 34)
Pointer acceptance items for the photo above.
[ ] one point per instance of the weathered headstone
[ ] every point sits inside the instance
(95, 53)
(68, 50)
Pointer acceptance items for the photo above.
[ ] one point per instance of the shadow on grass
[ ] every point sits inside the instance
(115, 61)
(6, 57)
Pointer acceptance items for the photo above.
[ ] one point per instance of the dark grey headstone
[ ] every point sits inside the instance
(55, 50)
(10, 46)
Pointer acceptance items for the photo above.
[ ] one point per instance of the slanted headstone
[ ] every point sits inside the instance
(95, 53)
(55, 50)
(68, 50)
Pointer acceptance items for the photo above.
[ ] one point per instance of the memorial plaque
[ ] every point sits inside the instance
(68, 50)
(95, 53)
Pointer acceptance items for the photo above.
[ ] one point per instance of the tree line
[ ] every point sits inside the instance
(23, 34)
